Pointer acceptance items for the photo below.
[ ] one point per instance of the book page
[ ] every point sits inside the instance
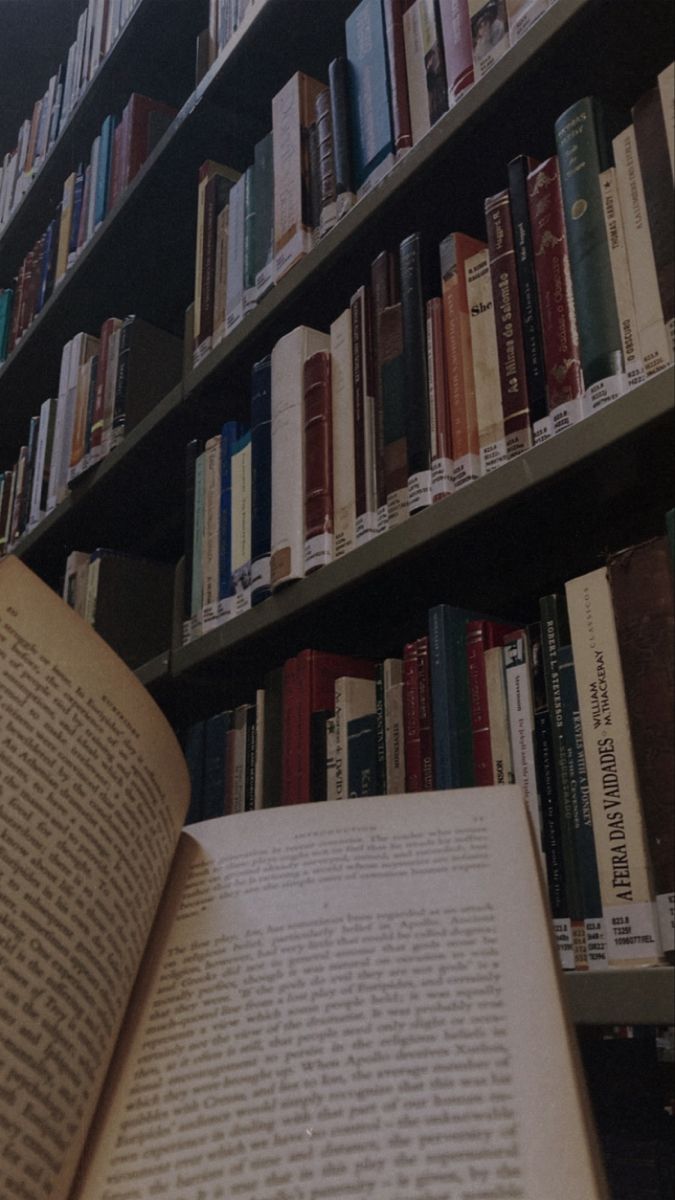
(93, 793)
(358, 998)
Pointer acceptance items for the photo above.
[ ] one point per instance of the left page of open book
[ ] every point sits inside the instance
(93, 794)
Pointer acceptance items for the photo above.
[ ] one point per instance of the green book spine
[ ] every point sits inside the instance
(584, 151)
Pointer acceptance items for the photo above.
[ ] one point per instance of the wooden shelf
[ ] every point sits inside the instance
(622, 997)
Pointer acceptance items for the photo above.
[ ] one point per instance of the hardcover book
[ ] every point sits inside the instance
(133, 903)
(454, 251)
(508, 323)
(371, 127)
(457, 47)
(486, 360)
(292, 114)
(342, 383)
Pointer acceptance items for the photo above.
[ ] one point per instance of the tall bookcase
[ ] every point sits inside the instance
(499, 544)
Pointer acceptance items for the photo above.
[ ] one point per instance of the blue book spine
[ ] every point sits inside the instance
(229, 434)
(261, 479)
(450, 702)
(47, 270)
(6, 298)
(78, 193)
(103, 175)
(198, 537)
(215, 764)
(362, 756)
(369, 91)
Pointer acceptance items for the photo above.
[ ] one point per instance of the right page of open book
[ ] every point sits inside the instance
(351, 999)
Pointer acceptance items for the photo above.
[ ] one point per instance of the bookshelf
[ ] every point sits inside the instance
(525, 517)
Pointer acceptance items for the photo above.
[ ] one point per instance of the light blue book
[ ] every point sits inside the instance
(369, 94)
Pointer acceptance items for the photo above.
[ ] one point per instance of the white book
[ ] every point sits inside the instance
(394, 732)
(500, 744)
(109, 387)
(234, 293)
(59, 427)
(288, 469)
(75, 580)
(197, 590)
(366, 504)
(522, 15)
(631, 922)
(666, 82)
(518, 683)
(416, 74)
(490, 34)
(330, 758)
(623, 287)
(654, 342)
(353, 698)
(344, 499)
(485, 362)
(93, 177)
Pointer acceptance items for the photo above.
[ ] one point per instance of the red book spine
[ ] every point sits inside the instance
(508, 323)
(480, 716)
(138, 144)
(398, 79)
(457, 47)
(564, 379)
(318, 447)
(414, 775)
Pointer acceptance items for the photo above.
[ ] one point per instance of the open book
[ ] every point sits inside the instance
(332, 1001)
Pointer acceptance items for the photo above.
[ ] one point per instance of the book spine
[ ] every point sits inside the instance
(327, 190)
(583, 154)
(424, 710)
(234, 294)
(418, 98)
(396, 57)
(652, 147)
(196, 594)
(383, 292)
(211, 532)
(392, 391)
(122, 384)
(500, 746)
(439, 405)
(339, 103)
(508, 323)
(344, 501)
(361, 756)
(411, 716)
(623, 862)
(584, 839)
(480, 714)
(291, 732)
(530, 319)
(192, 451)
(654, 346)
(261, 480)
(554, 636)
(623, 288)
(642, 601)
(394, 727)
(417, 384)
(562, 360)
(318, 461)
(292, 113)
(241, 523)
(490, 35)
(666, 85)
(250, 205)
(371, 132)
(485, 353)
(459, 358)
(364, 449)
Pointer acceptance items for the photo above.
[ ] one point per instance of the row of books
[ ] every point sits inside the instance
(97, 28)
(330, 144)
(89, 193)
(407, 399)
(564, 706)
(107, 383)
(225, 17)
(128, 600)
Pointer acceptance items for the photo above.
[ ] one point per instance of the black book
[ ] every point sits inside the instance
(535, 370)
(416, 376)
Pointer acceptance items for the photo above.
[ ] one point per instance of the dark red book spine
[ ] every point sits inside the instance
(318, 446)
(398, 79)
(356, 306)
(564, 378)
(480, 714)
(383, 292)
(506, 302)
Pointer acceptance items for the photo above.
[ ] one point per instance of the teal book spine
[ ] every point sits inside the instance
(369, 96)
(584, 150)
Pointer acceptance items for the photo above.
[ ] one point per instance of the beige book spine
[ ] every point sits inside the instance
(241, 528)
(500, 745)
(485, 362)
(211, 536)
(394, 735)
(353, 698)
(292, 112)
(653, 336)
(64, 228)
(623, 287)
(344, 496)
(623, 863)
(416, 72)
